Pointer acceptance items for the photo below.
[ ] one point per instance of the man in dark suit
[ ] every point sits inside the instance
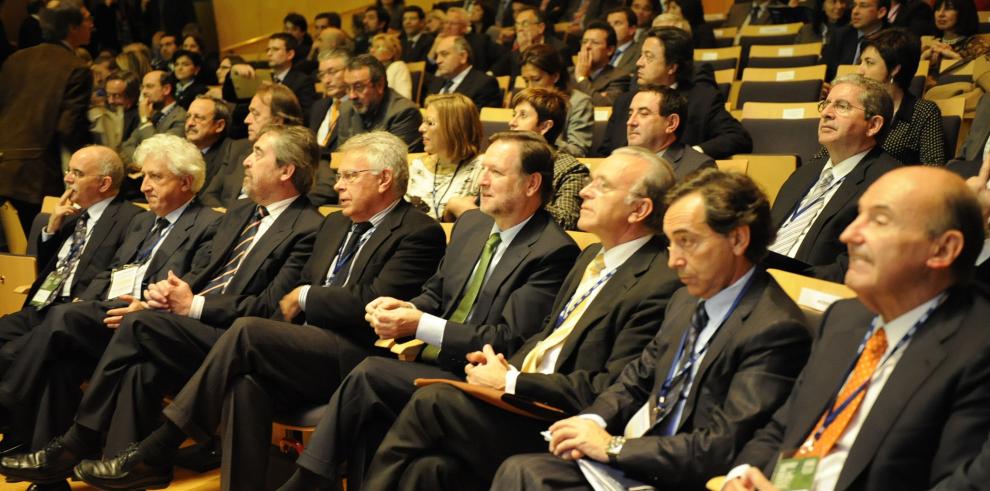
(667, 59)
(593, 331)
(255, 258)
(43, 369)
(44, 94)
(656, 122)
(845, 46)
(245, 376)
(504, 264)
(725, 358)
(207, 121)
(455, 73)
(484, 51)
(415, 40)
(592, 73)
(281, 53)
(627, 49)
(531, 29)
(818, 200)
(752, 13)
(323, 119)
(372, 106)
(83, 231)
(271, 104)
(914, 342)
(158, 110)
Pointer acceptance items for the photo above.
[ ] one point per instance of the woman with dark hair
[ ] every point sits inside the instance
(957, 23)
(915, 135)
(828, 16)
(210, 62)
(186, 66)
(543, 67)
(394, 9)
(482, 16)
(694, 13)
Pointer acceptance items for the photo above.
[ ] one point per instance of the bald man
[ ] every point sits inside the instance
(924, 371)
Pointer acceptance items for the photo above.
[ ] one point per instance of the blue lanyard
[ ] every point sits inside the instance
(798, 211)
(834, 410)
(147, 254)
(672, 374)
(569, 308)
(345, 260)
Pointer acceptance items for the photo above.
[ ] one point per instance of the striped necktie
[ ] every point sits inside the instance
(806, 211)
(237, 254)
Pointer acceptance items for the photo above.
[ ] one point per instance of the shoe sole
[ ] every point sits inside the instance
(111, 486)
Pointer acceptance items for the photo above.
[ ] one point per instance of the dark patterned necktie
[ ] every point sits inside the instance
(237, 254)
(346, 254)
(144, 253)
(681, 383)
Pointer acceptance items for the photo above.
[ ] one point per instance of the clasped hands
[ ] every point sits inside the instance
(392, 318)
(171, 294)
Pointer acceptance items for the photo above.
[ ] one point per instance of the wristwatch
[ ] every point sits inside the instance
(614, 447)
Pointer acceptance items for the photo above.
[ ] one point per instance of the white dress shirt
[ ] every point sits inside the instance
(95, 212)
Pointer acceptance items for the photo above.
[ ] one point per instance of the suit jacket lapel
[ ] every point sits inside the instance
(849, 187)
(323, 254)
(226, 238)
(175, 239)
(624, 279)
(510, 260)
(264, 246)
(384, 230)
(921, 357)
(790, 196)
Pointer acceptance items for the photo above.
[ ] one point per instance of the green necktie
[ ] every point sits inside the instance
(474, 285)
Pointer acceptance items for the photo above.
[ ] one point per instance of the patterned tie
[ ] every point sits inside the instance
(591, 275)
(237, 254)
(474, 285)
(876, 346)
(334, 113)
(791, 230)
(144, 253)
(446, 87)
(63, 267)
(615, 57)
(346, 254)
(681, 383)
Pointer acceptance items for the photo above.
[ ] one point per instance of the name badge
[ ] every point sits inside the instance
(125, 281)
(48, 289)
(794, 474)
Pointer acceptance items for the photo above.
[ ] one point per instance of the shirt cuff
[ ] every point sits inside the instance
(736, 472)
(430, 329)
(196, 308)
(45, 236)
(510, 380)
(600, 421)
(303, 291)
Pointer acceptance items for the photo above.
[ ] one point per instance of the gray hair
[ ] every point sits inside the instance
(334, 53)
(221, 110)
(875, 99)
(653, 185)
(296, 145)
(384, 151)
(182, 157)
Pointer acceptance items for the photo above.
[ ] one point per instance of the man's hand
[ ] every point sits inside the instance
(752, 480)
(114, 316)
(65, 208)
(487, 369)
(172, 294)
(506, 35)
(574, 438)
(392, 318)
(978, 184)
(243, 70)
(582, 66)
(289, 305)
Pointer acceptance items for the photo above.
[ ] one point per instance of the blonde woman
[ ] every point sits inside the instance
(387, 49)
(452, 136)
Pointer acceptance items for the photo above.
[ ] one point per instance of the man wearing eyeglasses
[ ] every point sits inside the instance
(207, 122)
(530, 30)
(456, 73)
(818, 200)
(377, 245)
(372, 106)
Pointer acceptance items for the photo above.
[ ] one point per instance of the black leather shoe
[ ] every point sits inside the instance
(59, 486)
(46, 466)
(123, 472)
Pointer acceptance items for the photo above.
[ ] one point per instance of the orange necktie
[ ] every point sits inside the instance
(876, 346)
(333, 122)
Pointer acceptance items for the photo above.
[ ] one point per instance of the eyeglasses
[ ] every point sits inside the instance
(358, 87)
(842, 108)
(331, 72)
(352, 175)
(598, 186)
(78, 174)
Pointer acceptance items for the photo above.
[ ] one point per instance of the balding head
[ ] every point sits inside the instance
(94, 174)
(918, 232)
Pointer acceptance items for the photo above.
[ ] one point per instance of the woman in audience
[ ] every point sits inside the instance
(452, 136)
(210, 63)
(482, 16)
(957, 23)
(828, 16)
(694, 13)
(434, 21)
(134, 61)
(543, 111)
(915, 136)
(543, 67)
(186, 66)
(388, 50)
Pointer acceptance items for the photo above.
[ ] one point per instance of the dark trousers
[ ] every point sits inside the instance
(47, 365)
(257, 368)
(360, 413)
(540, 472)
(12, 327)
(451, 440)
(152, 354)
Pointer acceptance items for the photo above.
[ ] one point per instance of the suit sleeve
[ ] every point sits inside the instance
(575, 390)
(521, 315)
(405, 125)
(224, 309)
(415, 257)
(760, 385)
(724, 135)
(73, 124)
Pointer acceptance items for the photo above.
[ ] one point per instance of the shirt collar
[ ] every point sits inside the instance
(174, 215)
(510, 233)
(718, 306)
(899, 327)
(842, 169)
(457, 79)
(280, 76)
(95, 210)
(624, 47)
(377, 218)
(619, 254)
(275, 209)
